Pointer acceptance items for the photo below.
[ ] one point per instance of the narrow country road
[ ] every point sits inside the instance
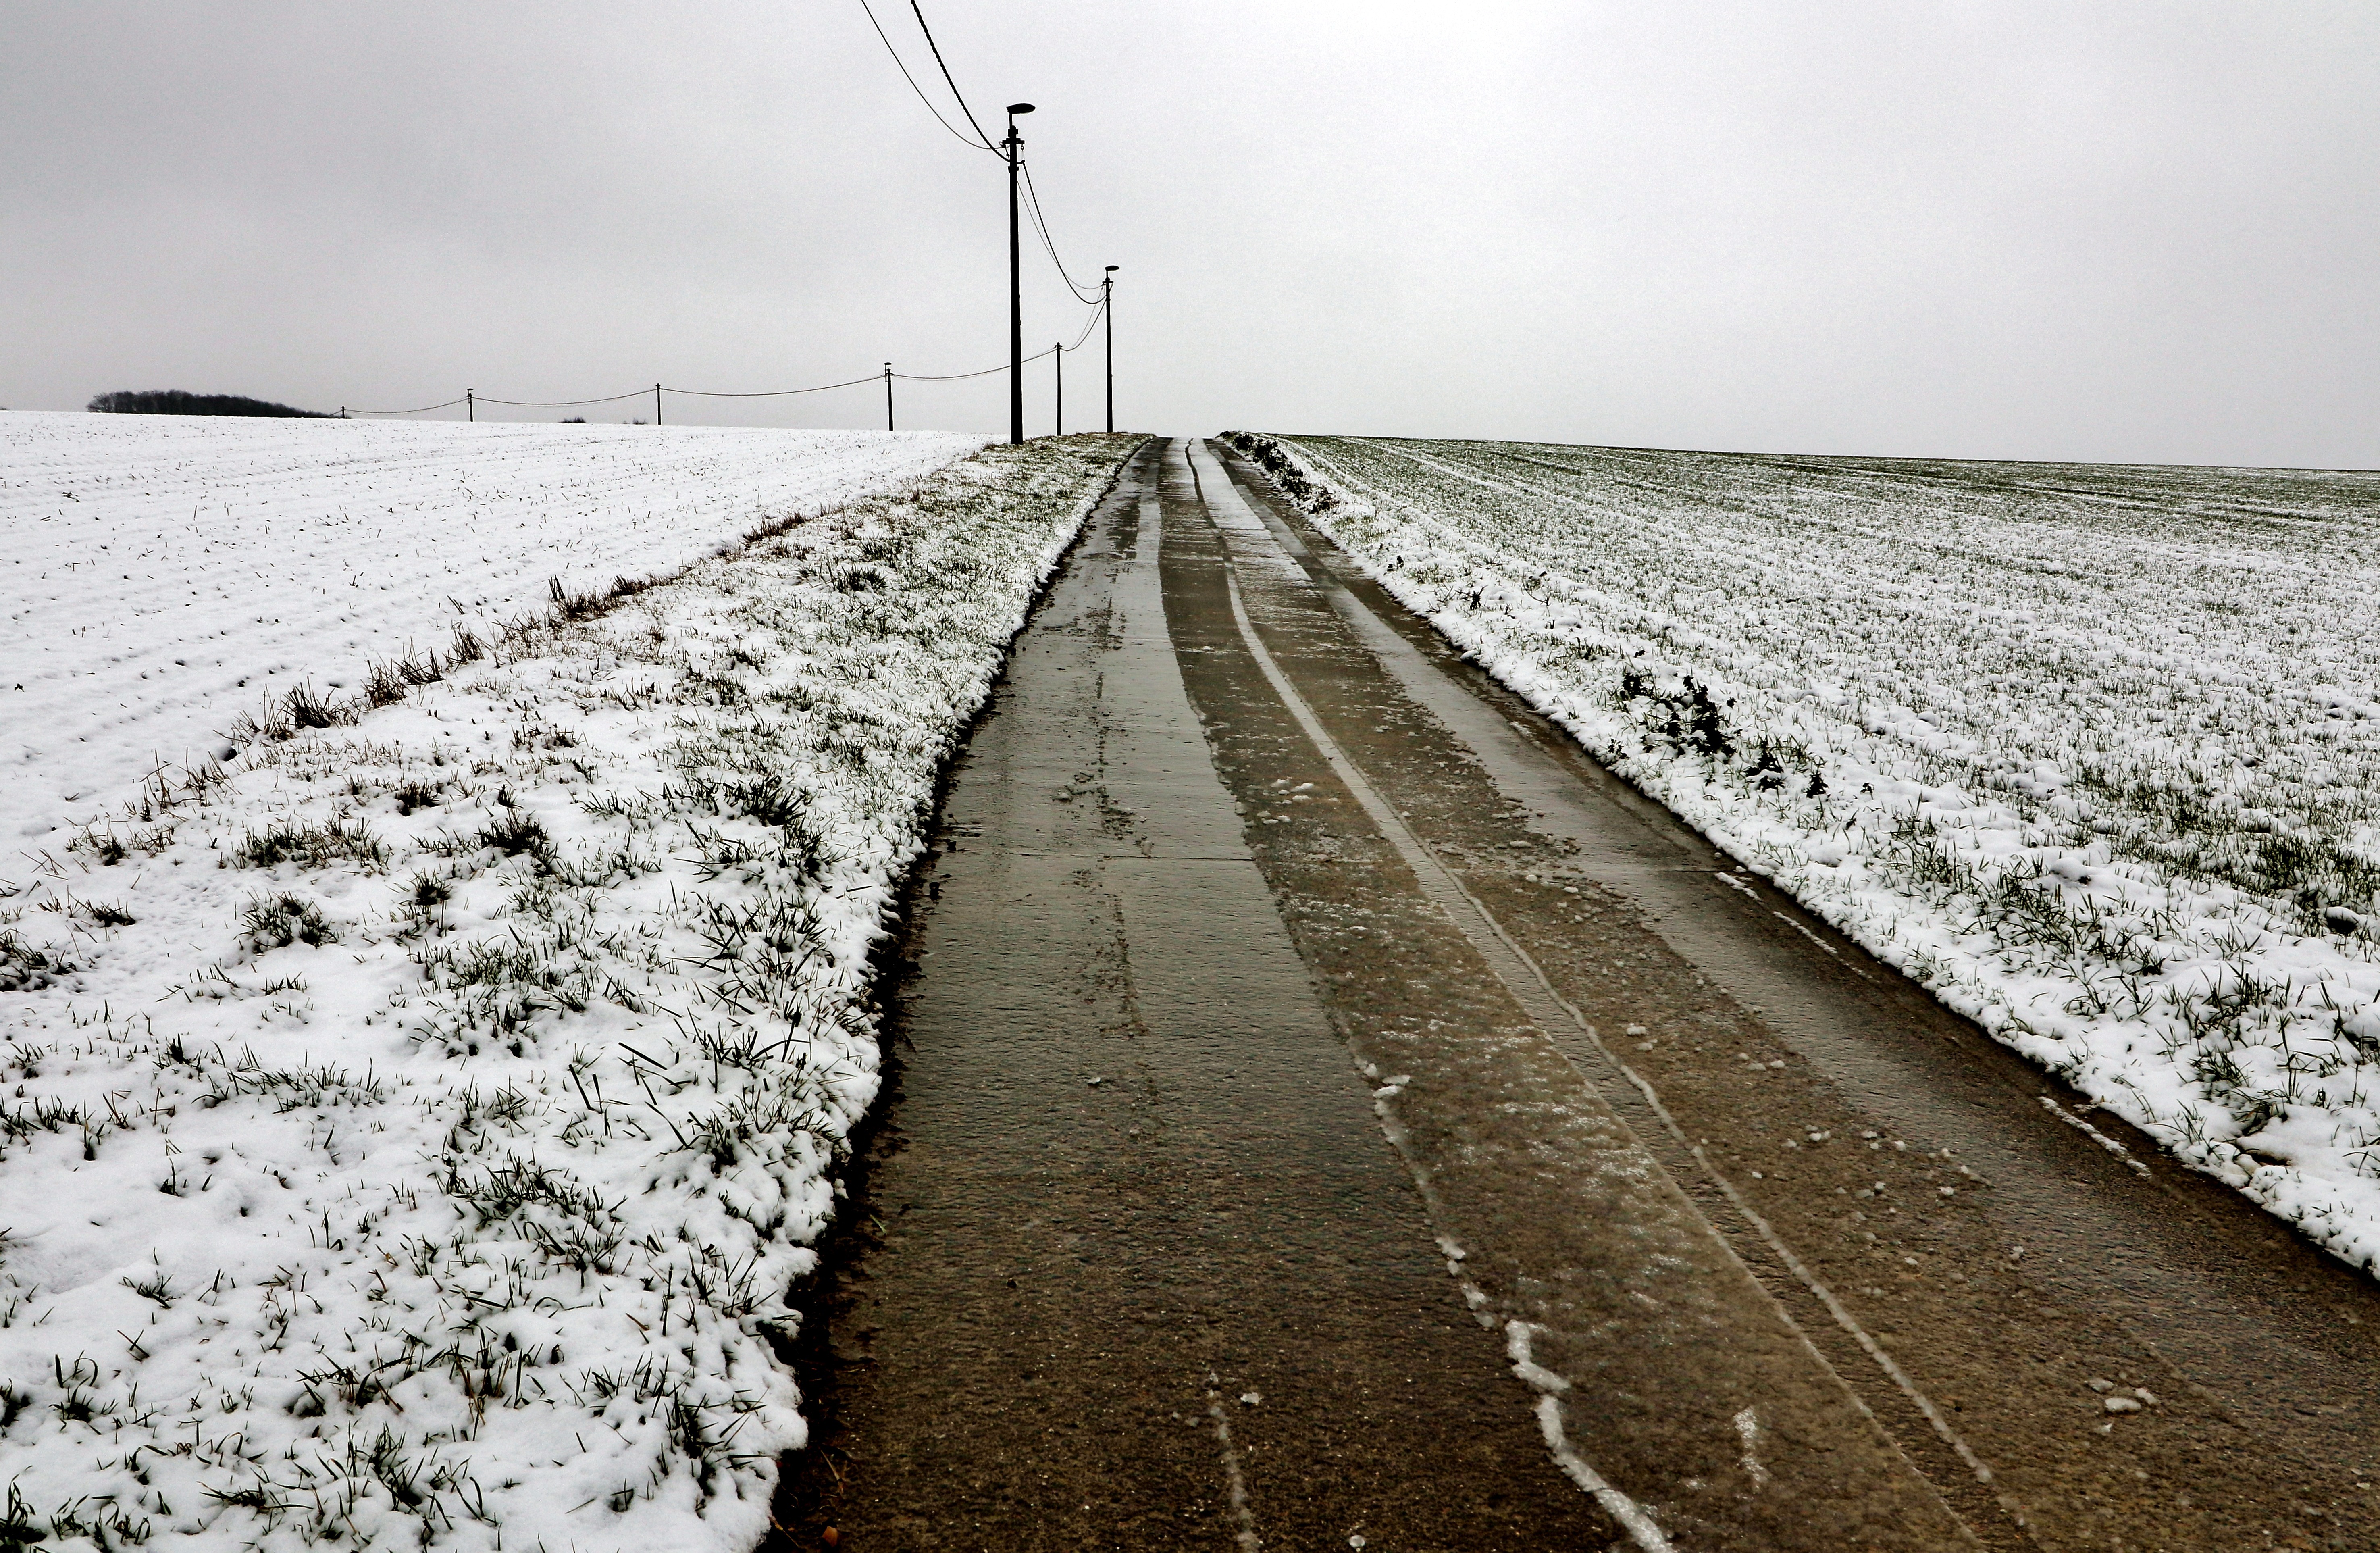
(1328, 1112)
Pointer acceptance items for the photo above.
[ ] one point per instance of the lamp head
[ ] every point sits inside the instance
(1017, 108)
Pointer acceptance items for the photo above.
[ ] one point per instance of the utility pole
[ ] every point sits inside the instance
(888, 395)
(657, 404)
(1014, 143)
(471, 406)
(1058, 354)
(1107, 305)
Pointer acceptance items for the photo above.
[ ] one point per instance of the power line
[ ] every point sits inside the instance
(979, 142)
(946, 75)
(1041, 224)
(1092, 324)
(1094, 296)
(954, 377)
(1097, 300)
(719, 394)
(565, 404)
(776, 393)
(419, 410)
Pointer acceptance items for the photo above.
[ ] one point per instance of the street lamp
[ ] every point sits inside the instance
(1107, 305)
(1014, 143)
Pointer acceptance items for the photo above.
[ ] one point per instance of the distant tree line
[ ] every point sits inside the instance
(175, 401)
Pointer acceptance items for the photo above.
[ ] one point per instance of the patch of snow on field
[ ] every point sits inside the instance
(163, 573)
(2091, 752)
(413, 1136)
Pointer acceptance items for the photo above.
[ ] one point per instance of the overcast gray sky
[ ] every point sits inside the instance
(2098, 231)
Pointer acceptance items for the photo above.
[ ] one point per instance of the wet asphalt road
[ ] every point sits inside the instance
(1329, 1111)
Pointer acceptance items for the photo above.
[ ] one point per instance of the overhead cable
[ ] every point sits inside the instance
(565, 404)
(778, 393)
(1041, 224)
(979, 142)
(954, 377)
(946, 75)
(422, 409)
(716, 394)
(1097, 313)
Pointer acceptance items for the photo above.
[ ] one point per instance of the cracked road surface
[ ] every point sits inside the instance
(1326, 1111)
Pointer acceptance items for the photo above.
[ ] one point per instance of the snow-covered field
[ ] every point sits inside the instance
(163, 573)
(410, 1136)
(2091, 752)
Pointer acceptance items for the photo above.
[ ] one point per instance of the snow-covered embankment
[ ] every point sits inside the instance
(2092, 753)
(411, 1137)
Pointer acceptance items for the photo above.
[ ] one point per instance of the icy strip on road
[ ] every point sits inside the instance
(416, 1135)
(160, 574)
(2088, 753)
